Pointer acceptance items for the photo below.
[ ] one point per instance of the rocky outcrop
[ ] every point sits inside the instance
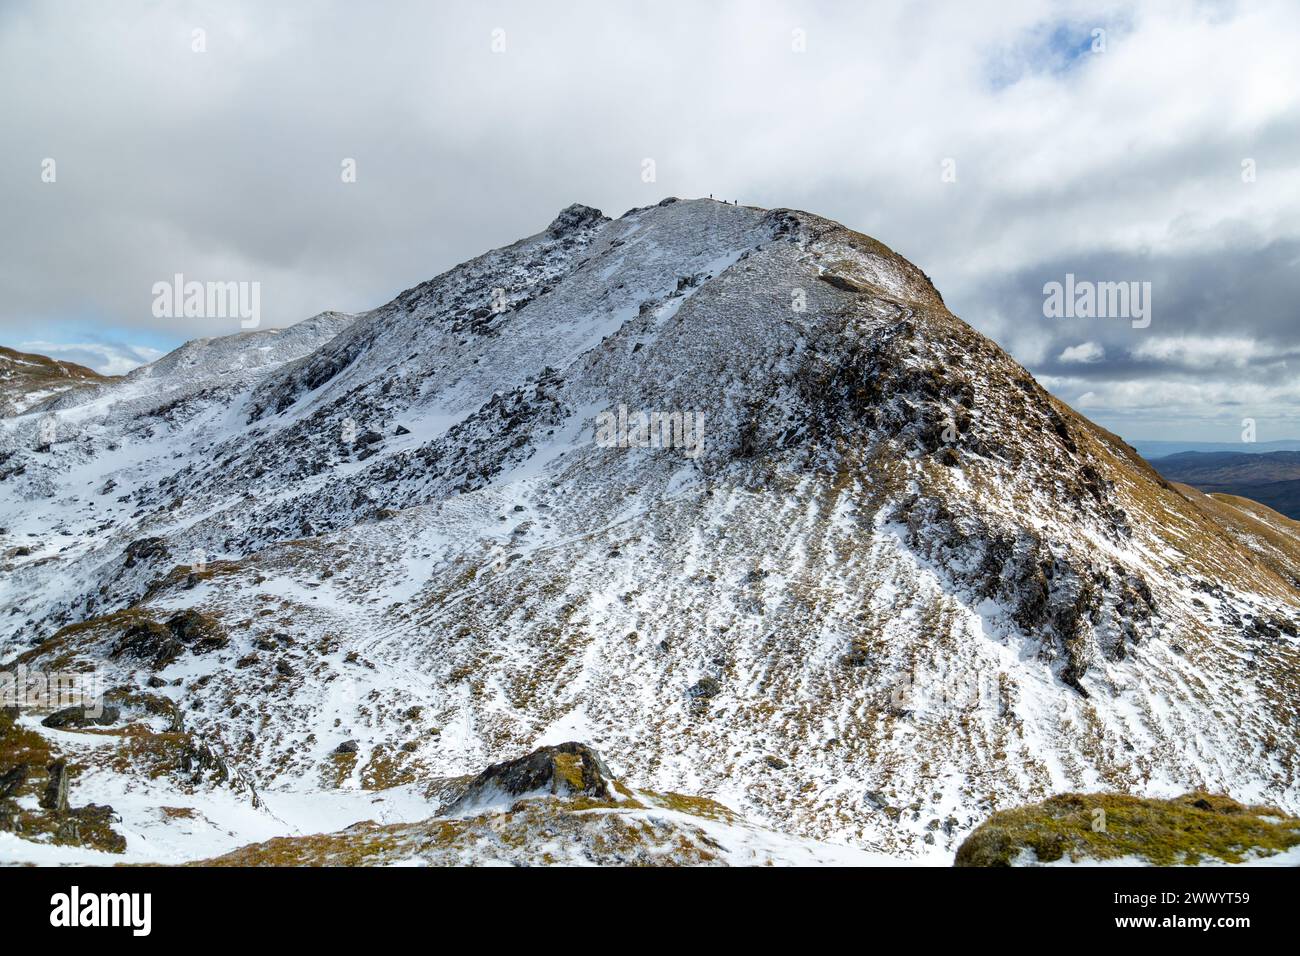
(573, 218)
(198, 631)
(55, 797)
(564, 770)
(146, 550)
(158, 645)
(150, 643)
(81, 716)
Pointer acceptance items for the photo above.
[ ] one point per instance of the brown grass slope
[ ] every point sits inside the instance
(22, 373)
(1074, 828)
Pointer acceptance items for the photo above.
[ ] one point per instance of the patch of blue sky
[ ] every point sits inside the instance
(95, 342)
(1052, 49)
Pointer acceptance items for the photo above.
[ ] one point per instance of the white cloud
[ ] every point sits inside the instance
(1084, 353)
(103, 358)
(1204, 352)
(1132, 405)
(225, 165)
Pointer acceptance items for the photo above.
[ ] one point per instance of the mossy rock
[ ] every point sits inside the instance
(90, 826)
(564, 770)
(1105, 826)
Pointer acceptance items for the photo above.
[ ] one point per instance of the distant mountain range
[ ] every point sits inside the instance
(1163, 449)
(1271, 478)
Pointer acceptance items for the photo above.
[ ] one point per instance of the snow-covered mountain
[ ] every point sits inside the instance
(876, 585)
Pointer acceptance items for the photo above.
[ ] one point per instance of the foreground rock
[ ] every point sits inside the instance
(42, 775)
(70, 717)
(1076, 828)
(567, 770)
(566, 809)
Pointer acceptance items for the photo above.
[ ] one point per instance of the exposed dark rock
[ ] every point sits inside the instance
(12, 779)
(202, 764)
(146, 550)
(150, 642)
(572, 218)
(55, 796)
(840, 282)
(72, 717)
(565, 770)
(705, 688)
(199, 631)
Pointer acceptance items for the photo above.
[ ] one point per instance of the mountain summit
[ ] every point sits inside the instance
(893, 585)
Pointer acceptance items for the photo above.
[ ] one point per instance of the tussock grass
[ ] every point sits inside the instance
(1185, 830)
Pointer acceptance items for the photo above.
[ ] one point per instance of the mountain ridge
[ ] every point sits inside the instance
(900, 586)
(27, 379)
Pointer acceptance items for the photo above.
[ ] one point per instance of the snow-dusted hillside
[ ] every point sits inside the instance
(894, 587)
(27, 380)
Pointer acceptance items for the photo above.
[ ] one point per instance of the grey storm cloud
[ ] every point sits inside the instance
(1234, 294)
(1223, 341)
(470, 125)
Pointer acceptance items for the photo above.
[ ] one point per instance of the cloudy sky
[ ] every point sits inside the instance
(999, 146)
